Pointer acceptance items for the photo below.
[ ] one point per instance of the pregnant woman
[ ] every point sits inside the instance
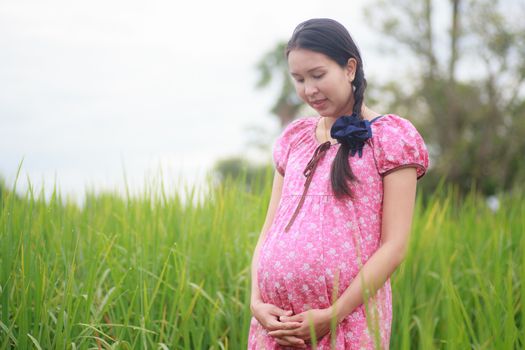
(341, 208)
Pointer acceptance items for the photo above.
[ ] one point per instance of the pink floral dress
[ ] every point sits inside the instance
(330, 239)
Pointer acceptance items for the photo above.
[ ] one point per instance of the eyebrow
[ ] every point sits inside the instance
(310, 70)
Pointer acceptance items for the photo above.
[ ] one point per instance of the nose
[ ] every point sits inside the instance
(310, 89)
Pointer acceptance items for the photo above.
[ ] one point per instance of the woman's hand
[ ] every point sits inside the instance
(268, 316)
(320, 318)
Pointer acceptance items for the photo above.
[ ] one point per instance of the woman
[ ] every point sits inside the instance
(340, 213)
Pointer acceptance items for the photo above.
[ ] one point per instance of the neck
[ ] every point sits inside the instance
(326, 123)
(366, 113)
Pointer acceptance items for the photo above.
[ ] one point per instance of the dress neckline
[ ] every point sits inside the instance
(318, 119)
(314, 137)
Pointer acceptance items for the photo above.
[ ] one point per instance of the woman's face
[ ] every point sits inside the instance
(322, 83)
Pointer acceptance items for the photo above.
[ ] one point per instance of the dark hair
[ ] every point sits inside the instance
(331, 38)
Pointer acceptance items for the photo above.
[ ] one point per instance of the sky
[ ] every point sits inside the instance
(96, 92)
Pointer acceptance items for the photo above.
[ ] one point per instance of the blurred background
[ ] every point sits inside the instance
(101, 94)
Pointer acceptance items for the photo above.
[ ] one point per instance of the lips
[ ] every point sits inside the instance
(318, 103)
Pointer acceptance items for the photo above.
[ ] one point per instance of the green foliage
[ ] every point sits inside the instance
(162, 268)
(473, 125)
(241, 171)
(273, 67)
(172, 270)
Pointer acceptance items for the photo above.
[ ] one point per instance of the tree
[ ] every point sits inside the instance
(473, 124)
(242, 172)
(273, 67)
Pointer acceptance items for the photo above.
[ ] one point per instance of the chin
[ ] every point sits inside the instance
(322, 113)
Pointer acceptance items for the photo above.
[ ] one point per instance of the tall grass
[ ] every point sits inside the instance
(172, 270)
(461, 286)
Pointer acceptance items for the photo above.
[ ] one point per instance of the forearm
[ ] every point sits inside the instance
(255, 293)
(372, 275)
(272, 207)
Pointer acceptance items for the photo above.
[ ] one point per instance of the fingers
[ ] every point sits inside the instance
(268, 315)
(273, 325)
(279, 333)
(276, 325)
(294, 318)
(280, 312)
(291, 341)
(290, 325)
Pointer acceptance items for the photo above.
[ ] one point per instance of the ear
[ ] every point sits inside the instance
(351, 67)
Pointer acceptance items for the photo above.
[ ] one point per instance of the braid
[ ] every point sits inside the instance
(340, 164)
(360, 85)
(340, 167)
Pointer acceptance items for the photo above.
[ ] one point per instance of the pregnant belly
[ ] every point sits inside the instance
(298, 271)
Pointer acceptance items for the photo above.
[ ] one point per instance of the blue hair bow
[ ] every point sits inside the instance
(352, 131)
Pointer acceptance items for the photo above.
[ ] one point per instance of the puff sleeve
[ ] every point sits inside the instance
(397, 144)
(285, 142)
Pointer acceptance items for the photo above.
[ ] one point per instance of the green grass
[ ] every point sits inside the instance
(170, 270)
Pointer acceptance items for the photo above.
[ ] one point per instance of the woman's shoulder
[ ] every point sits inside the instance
(397, 143)
(302, 123)
(297, 131)
(299, 127)
(389, 119)
(388, 124)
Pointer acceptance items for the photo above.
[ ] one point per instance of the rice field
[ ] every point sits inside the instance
(171, 270)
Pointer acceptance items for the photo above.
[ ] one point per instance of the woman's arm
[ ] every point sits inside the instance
(399, 189)
(270, 214)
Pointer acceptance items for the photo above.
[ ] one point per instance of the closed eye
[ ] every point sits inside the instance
(299, 79)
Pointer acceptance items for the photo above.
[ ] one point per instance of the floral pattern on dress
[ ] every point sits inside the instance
(331, 239)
